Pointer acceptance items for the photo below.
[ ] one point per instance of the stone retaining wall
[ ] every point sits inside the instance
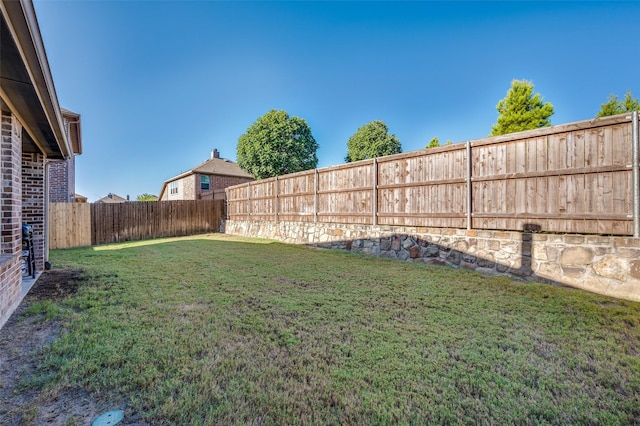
(601, 264)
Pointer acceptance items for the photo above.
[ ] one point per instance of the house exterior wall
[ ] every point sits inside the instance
(189, 187)
(168, 196)
(222, 182)
(33, 203)
(218, 183)
(11, 210)
(62, 176)
(59, 191)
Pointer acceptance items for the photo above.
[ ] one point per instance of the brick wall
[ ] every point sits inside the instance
(189, 187)
(59, 182)
(33, 201)
(222, 182)
(217, 183)
(11, 213)
(10, 286)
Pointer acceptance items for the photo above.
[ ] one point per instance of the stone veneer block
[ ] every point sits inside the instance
(626, 242)
(574, 239)
(629, 253)
(576, 256)
(634, 269)
(611, 267)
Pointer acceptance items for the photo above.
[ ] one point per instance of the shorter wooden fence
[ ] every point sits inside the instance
(78, 225)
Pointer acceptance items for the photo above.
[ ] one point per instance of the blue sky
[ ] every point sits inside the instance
(159, 84)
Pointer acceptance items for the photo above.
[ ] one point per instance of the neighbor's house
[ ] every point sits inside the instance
(33, 135)
(205, 181)
(77, 198)
(112, 198)
(62, 174)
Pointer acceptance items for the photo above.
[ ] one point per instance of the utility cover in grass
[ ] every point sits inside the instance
(109, 418)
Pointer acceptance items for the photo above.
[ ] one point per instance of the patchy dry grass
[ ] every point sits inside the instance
(215, 330)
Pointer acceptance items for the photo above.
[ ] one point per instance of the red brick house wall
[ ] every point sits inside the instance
(33, 204)
(11, 210)
(59, 182)
(222, 182)
(219, 182)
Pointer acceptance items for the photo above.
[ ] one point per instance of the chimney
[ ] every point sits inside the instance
(215, 154)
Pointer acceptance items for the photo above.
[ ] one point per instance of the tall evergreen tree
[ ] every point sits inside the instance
(614, 106)
(521, 110)
(434, 143)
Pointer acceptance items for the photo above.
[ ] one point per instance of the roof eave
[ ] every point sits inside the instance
(23, 25)
(75, 130)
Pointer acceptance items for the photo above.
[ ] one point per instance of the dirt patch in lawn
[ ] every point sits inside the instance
(24, 340)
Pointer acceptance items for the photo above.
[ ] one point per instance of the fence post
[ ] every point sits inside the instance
(375, 192)
(469, 188)
(276, 190)
(315, 196)
(636, 175)
(248, 200)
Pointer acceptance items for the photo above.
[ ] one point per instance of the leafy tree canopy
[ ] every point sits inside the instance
(614, 106)
(370, 141)
(434, 143)
(521, 110)
(146, 197)
(277, 144)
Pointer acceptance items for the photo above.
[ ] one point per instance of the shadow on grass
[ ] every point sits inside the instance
(454, 254)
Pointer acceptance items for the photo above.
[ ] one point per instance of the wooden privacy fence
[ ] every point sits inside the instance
(69, 225)
(77, 224)
(576, 178)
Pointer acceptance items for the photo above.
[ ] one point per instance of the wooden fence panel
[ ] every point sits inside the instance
(571, 178)
(296, 197)
(237, 204)
(345, 194)
(69, 225)
(571, 181)
(131, 221)
(425, 188)
(262, 196)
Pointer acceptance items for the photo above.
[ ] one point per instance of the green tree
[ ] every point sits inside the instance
(614, 106)
(146, 197)
(277, 144)
(521, 110)
(434, 143)
(370, 141)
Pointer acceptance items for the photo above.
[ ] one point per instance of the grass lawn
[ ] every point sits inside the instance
(217, 330)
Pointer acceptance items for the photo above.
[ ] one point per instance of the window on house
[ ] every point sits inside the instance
(204, 183)
(173, 187)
